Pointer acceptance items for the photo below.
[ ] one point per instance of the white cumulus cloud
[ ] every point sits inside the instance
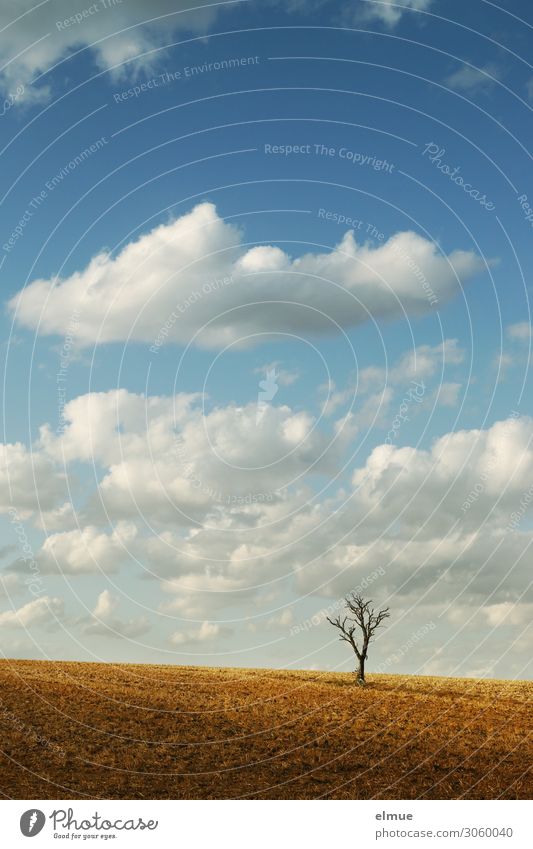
(41, 611)
(389, 12)
(195, 278)
(37, 36)
(207, 632)
(104, 622)
(29, 480)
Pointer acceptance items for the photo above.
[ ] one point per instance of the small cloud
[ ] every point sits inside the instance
(10, 583)
(507, 613)
(117, 37)
(529, 88)
(447, 394)
(207, 632)
(282, 376)
(418, 364)
(59, 519)
(502, 363)
(281, 620)
(41, 611)
(389, 12)
(335, 398)
(102, 620)
(470, 79)
(13, 341)
(521, 331)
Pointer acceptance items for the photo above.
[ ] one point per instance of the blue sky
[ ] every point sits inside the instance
(266, 277)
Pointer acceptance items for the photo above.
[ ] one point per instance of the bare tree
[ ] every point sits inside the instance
(361, 617)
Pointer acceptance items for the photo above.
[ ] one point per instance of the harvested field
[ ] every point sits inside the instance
(75, 730)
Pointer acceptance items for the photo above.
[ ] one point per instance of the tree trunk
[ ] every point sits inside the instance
(361, 671)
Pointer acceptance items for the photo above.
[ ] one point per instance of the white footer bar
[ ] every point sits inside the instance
(265, 825)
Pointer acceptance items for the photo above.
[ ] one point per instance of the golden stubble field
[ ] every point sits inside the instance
(75, 730)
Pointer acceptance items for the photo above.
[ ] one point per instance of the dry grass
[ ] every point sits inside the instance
(124, 731)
